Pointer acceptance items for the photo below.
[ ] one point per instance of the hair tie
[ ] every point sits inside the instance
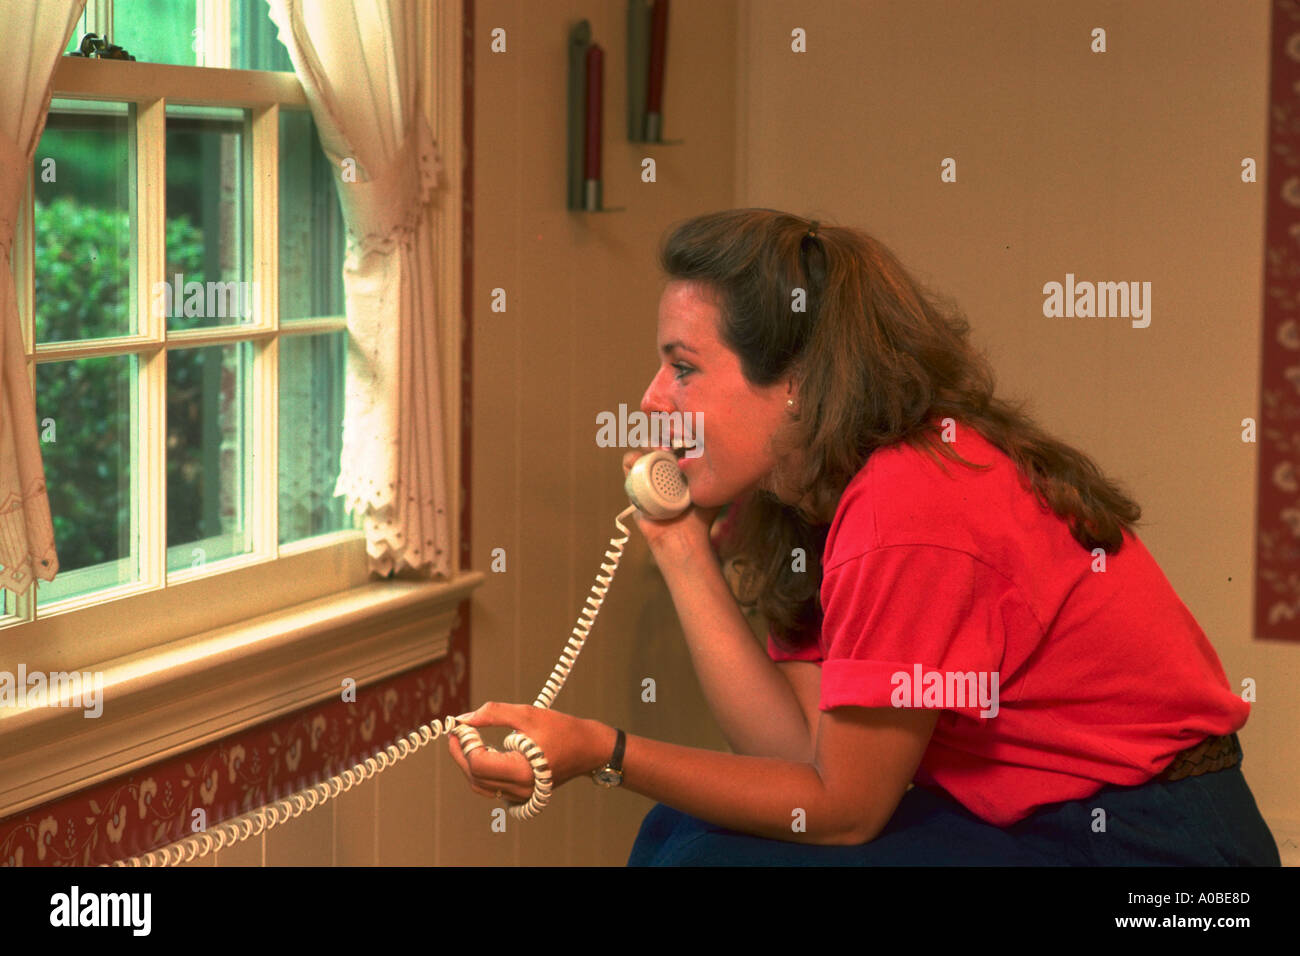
(812, 232)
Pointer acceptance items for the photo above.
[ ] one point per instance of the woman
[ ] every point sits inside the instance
(988, 629)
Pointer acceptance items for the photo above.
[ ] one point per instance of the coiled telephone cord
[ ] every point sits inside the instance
(263, 818)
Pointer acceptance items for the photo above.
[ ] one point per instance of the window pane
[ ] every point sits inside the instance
(84, 413)
(254, 44)
(311, 434)
(207, 281)
(170, 31)
(208, 460)
(84, 222)
(311, 224)
(157, 31)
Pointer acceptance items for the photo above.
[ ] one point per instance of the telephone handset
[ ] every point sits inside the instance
(658, 489)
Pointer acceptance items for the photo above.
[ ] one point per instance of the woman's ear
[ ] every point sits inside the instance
(791, 393)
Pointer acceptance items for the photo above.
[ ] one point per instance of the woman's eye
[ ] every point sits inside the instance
(682, 371)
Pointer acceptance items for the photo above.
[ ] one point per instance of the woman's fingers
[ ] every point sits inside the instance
(489, 772)
(513, 778)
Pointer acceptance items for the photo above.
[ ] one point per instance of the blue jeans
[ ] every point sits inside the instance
(1208, 820)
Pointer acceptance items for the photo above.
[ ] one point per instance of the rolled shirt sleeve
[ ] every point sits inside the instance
(897, 613)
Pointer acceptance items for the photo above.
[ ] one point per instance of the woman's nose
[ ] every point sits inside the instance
(654, 399)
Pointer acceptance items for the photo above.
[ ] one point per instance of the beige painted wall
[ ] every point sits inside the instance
(1115, 166)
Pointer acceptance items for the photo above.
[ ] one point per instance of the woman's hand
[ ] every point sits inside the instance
(572, 747)
(688, 530)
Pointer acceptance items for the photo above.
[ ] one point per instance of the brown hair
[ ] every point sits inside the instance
(878, 358)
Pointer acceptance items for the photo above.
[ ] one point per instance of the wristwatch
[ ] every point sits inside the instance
(611, 775)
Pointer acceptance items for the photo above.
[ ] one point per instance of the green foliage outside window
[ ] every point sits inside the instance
(82, 258)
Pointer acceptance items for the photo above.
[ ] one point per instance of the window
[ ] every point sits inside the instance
(190, 433)
(190, 397)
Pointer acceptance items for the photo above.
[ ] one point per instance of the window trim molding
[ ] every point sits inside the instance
(92, 78)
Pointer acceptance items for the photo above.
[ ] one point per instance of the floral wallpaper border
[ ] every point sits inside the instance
(1277, 543)
(157, 805)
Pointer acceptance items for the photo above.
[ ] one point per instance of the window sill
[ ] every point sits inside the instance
(163, 701)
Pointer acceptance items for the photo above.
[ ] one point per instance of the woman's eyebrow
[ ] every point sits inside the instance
(669, 346)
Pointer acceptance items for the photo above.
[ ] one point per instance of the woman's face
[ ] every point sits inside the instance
(700, 378)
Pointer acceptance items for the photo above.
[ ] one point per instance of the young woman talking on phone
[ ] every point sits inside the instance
(956, 600)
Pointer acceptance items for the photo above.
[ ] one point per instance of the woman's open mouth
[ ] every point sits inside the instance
(684, 448)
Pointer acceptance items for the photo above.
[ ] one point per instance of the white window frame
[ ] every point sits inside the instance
(194, 655)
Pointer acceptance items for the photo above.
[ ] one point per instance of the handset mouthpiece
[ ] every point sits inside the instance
(657, 486)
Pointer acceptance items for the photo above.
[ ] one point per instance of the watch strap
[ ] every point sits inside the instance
(616, 761)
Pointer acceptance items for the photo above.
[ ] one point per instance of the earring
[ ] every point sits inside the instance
(790, 402)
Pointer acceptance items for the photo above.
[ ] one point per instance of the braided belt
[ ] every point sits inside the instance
(1211, 754)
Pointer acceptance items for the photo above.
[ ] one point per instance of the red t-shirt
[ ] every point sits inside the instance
(1102, 676)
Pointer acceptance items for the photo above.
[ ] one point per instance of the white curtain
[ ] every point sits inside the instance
(358, 61)
(36, 32)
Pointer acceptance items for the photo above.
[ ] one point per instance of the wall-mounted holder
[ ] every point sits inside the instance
(647, 39)
(586, 123)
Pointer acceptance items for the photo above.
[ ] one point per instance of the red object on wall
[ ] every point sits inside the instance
(654, 91)
(1277, 541)
(595, 100)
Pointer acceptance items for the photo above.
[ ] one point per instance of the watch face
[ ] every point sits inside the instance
(608, 778)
